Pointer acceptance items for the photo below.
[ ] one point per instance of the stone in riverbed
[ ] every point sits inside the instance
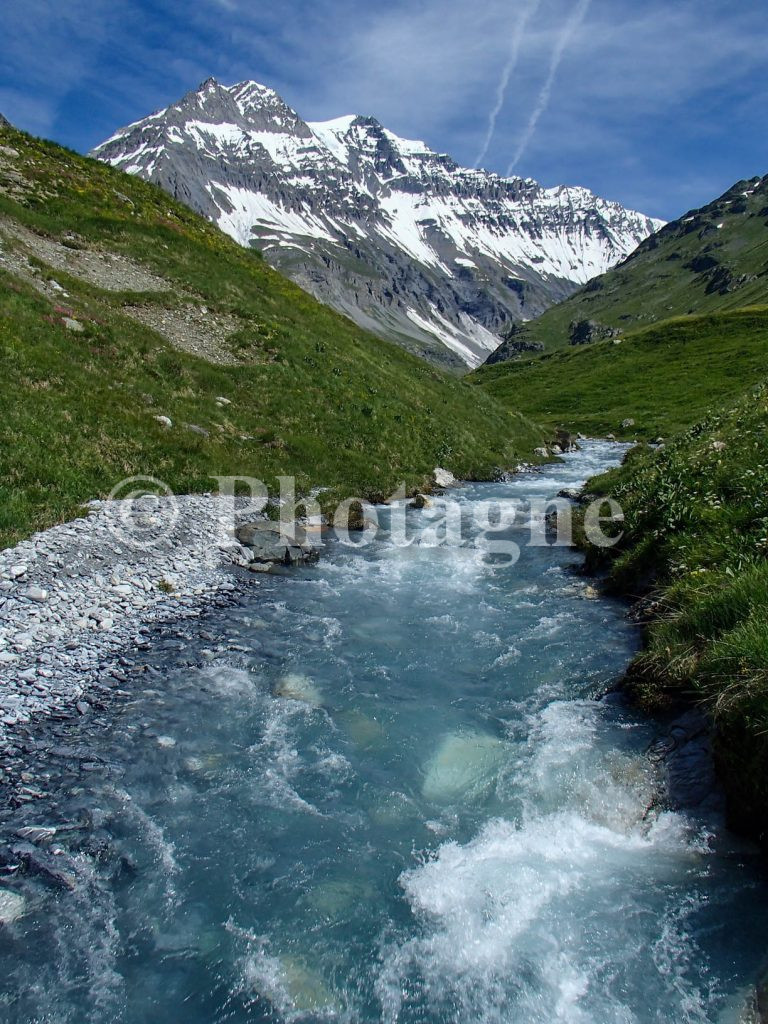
(36, 833)
(268, 543)
(420, 501)
(37, 594)
(44, 864)
(464, 766)
(294, 686)
(12, 906)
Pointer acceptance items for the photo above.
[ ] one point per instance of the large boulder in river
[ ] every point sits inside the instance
(279, 543)
(566, 441)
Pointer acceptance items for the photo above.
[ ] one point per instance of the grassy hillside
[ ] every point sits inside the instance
(118, 305)
(712, 259)
(697, 536)
(664, 377)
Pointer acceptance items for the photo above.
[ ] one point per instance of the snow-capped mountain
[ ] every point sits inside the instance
(404, 241)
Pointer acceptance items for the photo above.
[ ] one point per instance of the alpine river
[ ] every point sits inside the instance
(384, 789)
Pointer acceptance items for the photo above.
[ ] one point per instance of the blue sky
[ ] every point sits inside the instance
(661, 105)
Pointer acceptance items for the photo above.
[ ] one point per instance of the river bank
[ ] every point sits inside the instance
(693, 552)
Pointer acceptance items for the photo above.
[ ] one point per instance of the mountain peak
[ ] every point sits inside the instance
(438, 257)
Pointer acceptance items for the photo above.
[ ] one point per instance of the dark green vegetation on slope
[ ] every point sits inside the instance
(664, 378)
(710, 260)
(696, 538)
(309, 393)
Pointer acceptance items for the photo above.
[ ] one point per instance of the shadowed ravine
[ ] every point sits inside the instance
(382, 790)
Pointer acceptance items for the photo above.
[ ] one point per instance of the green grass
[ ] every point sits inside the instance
(315, 396)
(696, 538)
(664, 377)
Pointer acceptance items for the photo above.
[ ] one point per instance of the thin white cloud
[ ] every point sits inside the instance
(570, 29)
(506, 75)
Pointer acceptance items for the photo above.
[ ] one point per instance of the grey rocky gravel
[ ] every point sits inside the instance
(75, 597)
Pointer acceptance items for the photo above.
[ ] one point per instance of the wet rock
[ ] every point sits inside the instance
(12, 906)
(39, 863)
(268, 542)
(463, 766)
(420, 501)
(295, 686)
(685, 751)
(36, 833)
(566, 441)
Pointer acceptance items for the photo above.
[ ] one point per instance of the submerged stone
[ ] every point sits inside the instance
(12, 906)
(294, 686)
(464, 764)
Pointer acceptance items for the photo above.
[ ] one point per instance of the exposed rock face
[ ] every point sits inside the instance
(4, 122)
(407, 243)
(516, 343)
(584, 332)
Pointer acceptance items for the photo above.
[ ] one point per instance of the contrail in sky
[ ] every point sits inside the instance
(569, 30)
(506, 75)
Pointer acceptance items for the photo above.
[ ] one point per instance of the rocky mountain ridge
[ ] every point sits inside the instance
(402, 239)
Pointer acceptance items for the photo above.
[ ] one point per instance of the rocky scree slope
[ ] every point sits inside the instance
(437, 257)
(137, 338)
(709, 260)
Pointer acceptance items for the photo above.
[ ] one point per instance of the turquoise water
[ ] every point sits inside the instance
(382, 790)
